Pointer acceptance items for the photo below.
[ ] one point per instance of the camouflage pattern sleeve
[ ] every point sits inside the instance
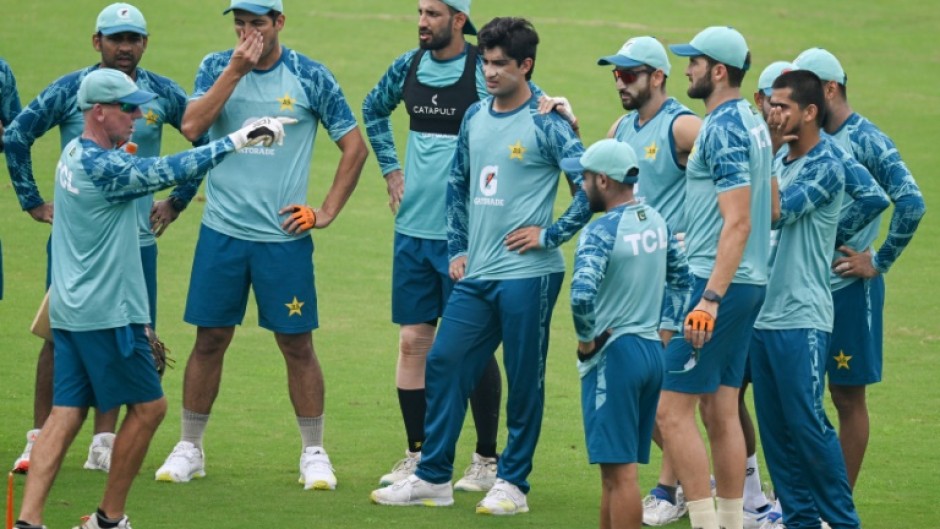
(123, 177)
(590, 267)
(10, 104)
(378, 106)
(325, 95)
(868, 199)
(41, 115)
(878, 153)
(175, 99)
(678, 287)
(557, 140)
(458, 191)
(816, 185)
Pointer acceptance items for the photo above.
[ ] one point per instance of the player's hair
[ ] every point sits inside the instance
(516, 36)
(735, 74)
(273, 14)
(805, 89)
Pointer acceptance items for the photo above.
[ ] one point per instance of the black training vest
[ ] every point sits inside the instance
(439, 110)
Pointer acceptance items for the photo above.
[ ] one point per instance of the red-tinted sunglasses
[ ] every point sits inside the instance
(629, 76)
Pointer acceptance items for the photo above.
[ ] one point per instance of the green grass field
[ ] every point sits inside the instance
(252, 442)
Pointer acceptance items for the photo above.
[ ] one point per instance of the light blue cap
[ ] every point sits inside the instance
(107, 85)
(121, 18)
(257, 7)
(464, 7)
(613, 158)
(823, 64)
(639, 51)
(722, 43)
(770, 74)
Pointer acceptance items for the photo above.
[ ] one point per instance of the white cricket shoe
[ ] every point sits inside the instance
(21, 466)
(184, 463)
(91, 522)
(316, 472)
(414, 491)
(774, 520)
(480, 476)
(503, 499)
(99, 452)
(755, 519)
(660, 511)
(402, 469)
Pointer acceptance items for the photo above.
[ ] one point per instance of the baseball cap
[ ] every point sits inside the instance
(120, 18)
(107, 85)
(771, 73)
(615, 159)
(823, 64)
(722, 43)
(639, 51)
(464, 7)
(257, 7)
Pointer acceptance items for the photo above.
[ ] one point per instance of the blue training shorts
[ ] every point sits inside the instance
(855, 352)
(104, 368)
(619, 398)
(421, 280)
(281, 274)
(721, 361)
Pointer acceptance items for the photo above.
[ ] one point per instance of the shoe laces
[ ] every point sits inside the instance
(182, 452)
(406, 464)
(478, 468)
(317, 461)
(501, 491)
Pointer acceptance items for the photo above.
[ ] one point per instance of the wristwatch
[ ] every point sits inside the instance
(177, 204)
(711, 295)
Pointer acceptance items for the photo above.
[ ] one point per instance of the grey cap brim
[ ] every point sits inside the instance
(254, 9)
(122, 29)
(619, 61)
(685, 50)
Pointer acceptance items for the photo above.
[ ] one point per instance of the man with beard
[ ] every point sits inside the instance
(663, 130)
(618, 304)
(505, 258)
(438, 82)
(855, 352)
(727, 239)
(246, 243)
(792, 331)
(121, 38)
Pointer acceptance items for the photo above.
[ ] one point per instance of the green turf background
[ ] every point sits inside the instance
(887, 48)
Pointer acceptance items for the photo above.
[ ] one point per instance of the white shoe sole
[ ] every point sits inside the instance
(425, 502)
(168, 477)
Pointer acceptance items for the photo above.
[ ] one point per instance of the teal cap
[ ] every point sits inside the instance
(464, 7)
(639, 51)
(107, 85)
(121, 18)
(257, 7)
(823, 64)
(613, 158)
(722, 43)
(770, 74)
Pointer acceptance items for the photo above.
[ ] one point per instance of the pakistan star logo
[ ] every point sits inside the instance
(293, 307)
(151, 117)
(287, 102)
(651, 151)
(842, 361)
(517, 151)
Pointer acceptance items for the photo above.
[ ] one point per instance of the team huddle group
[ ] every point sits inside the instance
(730, 250)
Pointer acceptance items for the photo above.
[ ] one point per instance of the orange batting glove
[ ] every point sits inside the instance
(699, 325)
(301, 218)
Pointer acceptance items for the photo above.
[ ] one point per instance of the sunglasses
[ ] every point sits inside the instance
(629, 76)
(128, 108)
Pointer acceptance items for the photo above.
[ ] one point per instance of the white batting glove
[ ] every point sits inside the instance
(265, 131)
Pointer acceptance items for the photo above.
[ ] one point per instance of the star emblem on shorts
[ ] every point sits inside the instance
(842, 361)
(287, 102)
(294, 307)
(651, 151)
(517, 151)
(151, 117)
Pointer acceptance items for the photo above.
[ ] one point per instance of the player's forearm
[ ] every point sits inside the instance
(382, 141)
(201, 113)
(574, 218)
(678, 287)
(20, 166)
(347, 173)
(908, 211)
(731, 243)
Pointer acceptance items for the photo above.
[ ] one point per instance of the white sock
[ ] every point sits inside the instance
(754, 497)
(311, 430)
(193, 426)
(730, 513)
(702, 514)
